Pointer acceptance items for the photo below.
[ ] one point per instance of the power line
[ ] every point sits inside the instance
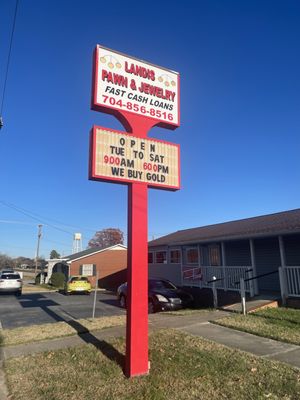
(3, 244)
(54, 241)
(8, 61)
(41, 218)
(5, 221)
(44, 220)
(28, 214)
(36, 217)
(49, 219)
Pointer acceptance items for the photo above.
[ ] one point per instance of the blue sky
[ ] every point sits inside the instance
(239, 63)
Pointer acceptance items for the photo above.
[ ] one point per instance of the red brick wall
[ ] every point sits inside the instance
(111, 266)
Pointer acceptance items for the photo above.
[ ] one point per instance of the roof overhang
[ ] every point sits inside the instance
(230, 238)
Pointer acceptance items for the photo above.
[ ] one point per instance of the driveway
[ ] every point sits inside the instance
(40, 308)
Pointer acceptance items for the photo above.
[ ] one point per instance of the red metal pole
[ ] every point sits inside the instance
(137, 265)
(137, 282)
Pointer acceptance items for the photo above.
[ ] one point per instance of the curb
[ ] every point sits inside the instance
(3, 387)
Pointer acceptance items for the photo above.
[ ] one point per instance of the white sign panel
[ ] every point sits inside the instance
(118, 156)
(130, 85)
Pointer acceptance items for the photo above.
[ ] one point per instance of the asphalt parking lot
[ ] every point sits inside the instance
(40, 308)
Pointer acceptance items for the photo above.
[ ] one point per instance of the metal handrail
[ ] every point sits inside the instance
(216, 280)
(257, 276)
(260, 276)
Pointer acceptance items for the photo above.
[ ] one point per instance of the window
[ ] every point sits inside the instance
(10, 276)
(150, 257)
(160, 284)
(192, 255)
(79, 279)
(161, 257)
(214, 256)
(88, 270)
(175, 256)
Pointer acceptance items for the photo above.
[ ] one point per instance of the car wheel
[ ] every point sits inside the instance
(19, 293)
(151, 308)
(122, 301)
(67, 293)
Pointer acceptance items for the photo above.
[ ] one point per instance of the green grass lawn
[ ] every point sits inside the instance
(276, 323)
(36, 333)
(183, 367)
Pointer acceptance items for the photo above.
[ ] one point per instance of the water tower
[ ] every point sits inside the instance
(77, 243)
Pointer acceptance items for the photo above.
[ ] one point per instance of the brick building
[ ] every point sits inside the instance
(109, 263)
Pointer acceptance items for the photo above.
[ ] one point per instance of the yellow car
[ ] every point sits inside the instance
(78, 284)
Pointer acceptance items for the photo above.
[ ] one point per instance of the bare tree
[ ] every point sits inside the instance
(6, 261)
(24, 261)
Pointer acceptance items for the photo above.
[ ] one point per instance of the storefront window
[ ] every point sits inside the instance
(175, 256)
(161, 257)
(150, 257)
(192, 255)
(214, 256)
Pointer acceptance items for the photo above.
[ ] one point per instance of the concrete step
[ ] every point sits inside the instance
(253, 304)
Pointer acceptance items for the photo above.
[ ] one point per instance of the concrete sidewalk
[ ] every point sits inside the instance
(259, 346)
(195, 324)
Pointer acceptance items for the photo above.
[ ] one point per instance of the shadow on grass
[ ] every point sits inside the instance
(41, 301)
(272, 318)
(107, 349)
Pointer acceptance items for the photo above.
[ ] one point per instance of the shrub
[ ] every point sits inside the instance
(37, 279)
(58, 279)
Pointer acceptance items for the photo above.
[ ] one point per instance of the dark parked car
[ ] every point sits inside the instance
(162, 295)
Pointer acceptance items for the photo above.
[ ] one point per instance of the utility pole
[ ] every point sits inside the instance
(38, 249)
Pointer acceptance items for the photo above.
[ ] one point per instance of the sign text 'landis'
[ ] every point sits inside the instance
(126, 84)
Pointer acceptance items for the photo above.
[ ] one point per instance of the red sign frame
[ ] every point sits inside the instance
(118, 113)
(101, 178)
(136, 362)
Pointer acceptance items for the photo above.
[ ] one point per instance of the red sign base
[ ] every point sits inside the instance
(137, 266)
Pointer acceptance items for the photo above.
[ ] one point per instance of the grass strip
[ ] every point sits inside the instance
(281, 324)
(182, 367)
(36, 333)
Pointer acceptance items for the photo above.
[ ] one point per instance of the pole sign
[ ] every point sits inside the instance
(141, 95)
(126, 84)
(121, 157)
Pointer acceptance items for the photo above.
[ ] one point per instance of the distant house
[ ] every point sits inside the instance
(109, 263)
(231, 250)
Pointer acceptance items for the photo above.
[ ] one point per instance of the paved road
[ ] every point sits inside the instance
(40, 308)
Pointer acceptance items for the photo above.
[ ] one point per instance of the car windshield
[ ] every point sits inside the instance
(10, 276)
(79, 278)
(159, 284)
